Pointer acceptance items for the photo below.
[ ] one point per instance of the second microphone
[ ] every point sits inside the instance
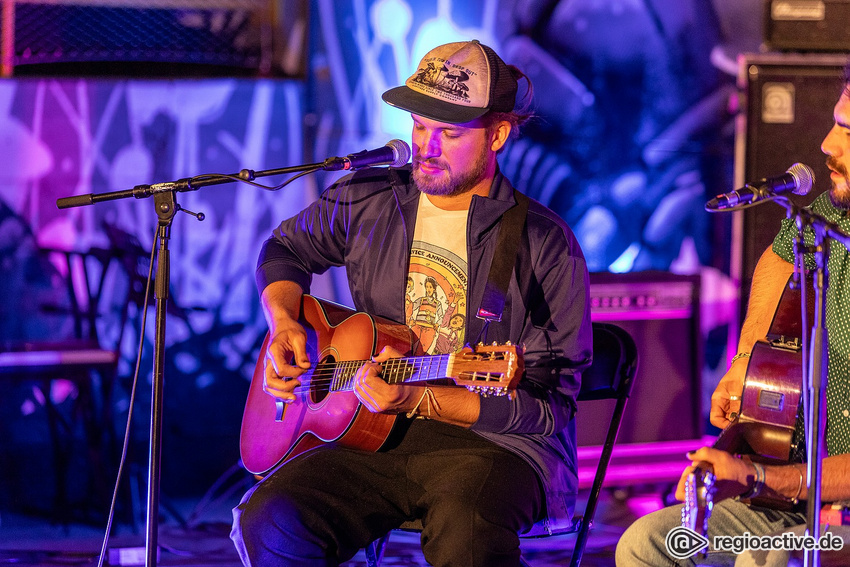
(798, 180)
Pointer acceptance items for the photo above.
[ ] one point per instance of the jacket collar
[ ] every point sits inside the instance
(484, 212)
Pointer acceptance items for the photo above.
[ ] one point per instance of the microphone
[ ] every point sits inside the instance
(395, 154)
(798, 179)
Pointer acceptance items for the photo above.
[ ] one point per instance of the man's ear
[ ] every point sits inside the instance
(500, 134)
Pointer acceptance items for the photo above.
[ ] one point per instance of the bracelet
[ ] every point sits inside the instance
(796, 498)
(737, 356)
(429, 394)
(758, 482)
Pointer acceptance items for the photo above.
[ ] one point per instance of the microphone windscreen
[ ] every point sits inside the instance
(804, 177)
(401, 152)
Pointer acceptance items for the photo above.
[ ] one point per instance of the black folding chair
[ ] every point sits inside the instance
(615, 361)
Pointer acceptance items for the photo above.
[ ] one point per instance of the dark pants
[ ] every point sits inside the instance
(322, 507)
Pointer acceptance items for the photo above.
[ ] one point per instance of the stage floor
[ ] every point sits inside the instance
(194, 532)
(203, 541)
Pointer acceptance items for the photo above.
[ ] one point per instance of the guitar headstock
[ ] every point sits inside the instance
(488, 370)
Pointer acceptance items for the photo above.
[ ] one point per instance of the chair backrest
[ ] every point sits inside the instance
(615, 359)
(85, 277)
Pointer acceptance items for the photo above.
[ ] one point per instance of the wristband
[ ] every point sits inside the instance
(758, 482)
(427, 395)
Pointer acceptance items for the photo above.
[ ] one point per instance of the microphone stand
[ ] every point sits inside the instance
(166, 206)
(815, 406)
(817, 384)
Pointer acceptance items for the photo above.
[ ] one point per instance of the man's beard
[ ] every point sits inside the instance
(454, 184)
(839, 196)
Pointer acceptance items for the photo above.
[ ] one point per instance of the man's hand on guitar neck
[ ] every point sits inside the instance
(734, 476)
(726, 398)
(449, 404)
(378, 396)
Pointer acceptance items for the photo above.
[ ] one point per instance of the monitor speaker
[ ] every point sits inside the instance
(661, 312)
(822, 25)
(789, 101)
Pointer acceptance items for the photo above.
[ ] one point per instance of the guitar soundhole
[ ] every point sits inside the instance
(323, 377)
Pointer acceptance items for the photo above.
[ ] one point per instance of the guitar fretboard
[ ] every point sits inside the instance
(394, 371)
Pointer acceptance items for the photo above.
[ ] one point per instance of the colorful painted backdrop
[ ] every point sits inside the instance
(634, 133)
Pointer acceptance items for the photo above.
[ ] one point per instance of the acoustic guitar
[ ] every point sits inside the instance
(327, 411)
(764, 428)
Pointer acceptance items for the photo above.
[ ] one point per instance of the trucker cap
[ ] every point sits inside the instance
(457, 82)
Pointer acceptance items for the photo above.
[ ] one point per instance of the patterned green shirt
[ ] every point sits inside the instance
(837, 319)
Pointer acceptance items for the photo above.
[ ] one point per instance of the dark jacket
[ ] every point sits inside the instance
(365, 222)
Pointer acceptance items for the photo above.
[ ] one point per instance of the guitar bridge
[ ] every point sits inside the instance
(786, 343)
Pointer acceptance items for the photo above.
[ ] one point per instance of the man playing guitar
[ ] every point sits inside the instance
(476, 471)
(740, 479)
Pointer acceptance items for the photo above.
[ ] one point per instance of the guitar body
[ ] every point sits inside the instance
(273, 432)
(765, 425)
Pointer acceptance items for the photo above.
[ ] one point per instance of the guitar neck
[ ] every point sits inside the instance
(394, 371)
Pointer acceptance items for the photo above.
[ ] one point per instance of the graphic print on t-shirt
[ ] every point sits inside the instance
(435, 302)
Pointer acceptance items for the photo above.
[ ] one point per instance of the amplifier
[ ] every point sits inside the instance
(619, 300)
(807, 25)
(661, 312)
(787, 112)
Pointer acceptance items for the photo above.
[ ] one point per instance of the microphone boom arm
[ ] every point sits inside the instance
(395, 153)
(181, 185)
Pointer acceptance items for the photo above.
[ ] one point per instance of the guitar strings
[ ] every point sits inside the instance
(342, 372)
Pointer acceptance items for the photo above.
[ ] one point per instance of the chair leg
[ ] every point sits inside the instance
(375, 551)
(61, 454)
(581, 540)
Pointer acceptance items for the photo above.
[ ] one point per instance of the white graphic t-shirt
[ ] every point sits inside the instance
(435, 303)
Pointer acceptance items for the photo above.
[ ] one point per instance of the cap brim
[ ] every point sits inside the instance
(423, 105)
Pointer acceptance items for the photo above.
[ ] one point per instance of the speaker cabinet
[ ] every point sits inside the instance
(661, 312)
(822, 25)
(789, 101)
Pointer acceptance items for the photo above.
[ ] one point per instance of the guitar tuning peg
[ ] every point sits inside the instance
(494, 343)
(509, 343)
